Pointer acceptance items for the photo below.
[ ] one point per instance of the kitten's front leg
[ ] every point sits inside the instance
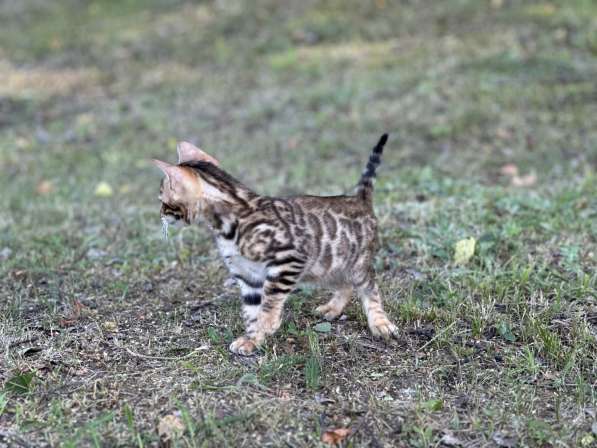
(245, 345)
(262, 309)
(252, 296)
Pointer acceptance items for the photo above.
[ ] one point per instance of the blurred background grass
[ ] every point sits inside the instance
(290, 96)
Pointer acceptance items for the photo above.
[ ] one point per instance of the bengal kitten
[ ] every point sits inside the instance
(272, 244)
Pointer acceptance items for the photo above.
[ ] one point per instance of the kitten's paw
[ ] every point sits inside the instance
(329, 312)
(381, 327)
(243, 346)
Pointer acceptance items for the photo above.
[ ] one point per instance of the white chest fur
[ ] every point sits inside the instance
(239, 265)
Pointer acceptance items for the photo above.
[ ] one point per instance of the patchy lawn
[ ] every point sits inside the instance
(110, 335)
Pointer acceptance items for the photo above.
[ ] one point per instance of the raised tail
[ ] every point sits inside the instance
(365, 185)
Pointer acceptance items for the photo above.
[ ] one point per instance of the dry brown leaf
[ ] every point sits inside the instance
(503, 133)
(110, 326)
(45, 187)
(64, 323)
(73, 316)
(170, 427)
(527, 180)
(509, 169)
(335, 436)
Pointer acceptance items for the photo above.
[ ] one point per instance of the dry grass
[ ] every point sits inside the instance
(105, 329)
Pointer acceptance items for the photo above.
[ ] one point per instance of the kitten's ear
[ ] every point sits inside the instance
(175, 174)
(187, 152)
(164, 166)
(180, 178)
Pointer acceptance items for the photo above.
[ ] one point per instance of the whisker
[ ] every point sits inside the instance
(164, 228)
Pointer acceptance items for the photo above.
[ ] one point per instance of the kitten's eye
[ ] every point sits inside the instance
(170, 212)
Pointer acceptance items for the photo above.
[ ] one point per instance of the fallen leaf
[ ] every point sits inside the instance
(103, 190)
(527, 180)
(561, 34)
(45, 187)
(171, 142)
(335, 436)
(22, 142)
(503, 133)
(587, 440)
(464, 250)
(56, 43)
(542, 10)
(84, 119)
(433, 405)
(505, 331)
(170, 427)
(73, 316)
(509, 169)
(66, 322)
(323, 327)
(110, 326)
(20, 383)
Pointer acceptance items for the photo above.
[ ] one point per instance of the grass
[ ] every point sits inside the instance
(105, 329)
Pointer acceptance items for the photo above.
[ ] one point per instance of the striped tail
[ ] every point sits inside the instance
(365, 185)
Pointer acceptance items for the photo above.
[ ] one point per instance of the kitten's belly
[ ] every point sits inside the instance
(332, 278)
(332, 275)
(257, 272)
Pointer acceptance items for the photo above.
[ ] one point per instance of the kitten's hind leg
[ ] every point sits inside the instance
(379, 323)
(336, 304)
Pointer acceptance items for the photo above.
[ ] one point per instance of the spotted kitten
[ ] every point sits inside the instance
(271, 244)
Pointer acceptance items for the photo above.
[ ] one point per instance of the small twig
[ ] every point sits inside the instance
(436, 336)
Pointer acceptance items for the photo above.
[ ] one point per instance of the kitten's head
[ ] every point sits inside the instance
(184, 191)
